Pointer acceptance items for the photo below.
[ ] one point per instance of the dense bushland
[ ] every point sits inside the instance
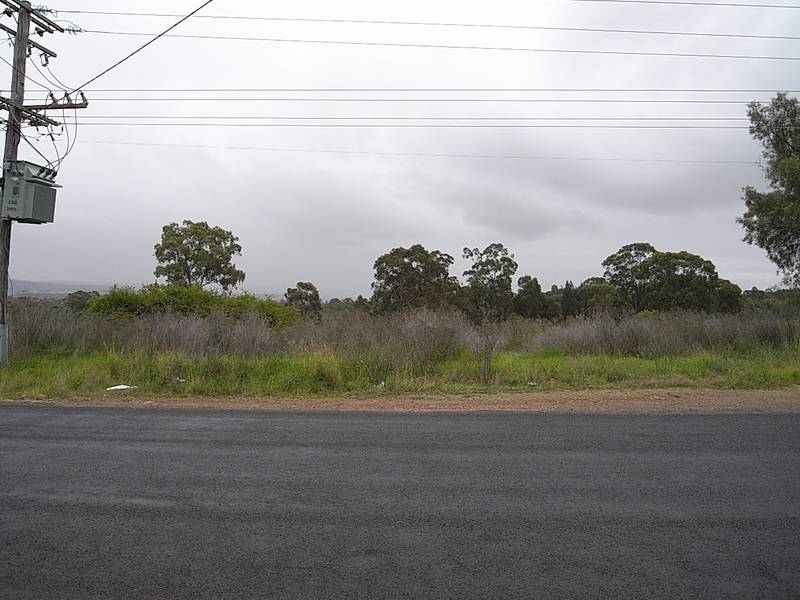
(415, 338)
(61, 352)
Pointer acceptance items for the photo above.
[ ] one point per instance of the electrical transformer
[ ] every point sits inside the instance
(29, 192)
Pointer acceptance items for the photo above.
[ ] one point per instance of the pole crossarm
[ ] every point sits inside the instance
(31, 43)
(59, 106)
(32, 116)
(37, 17)
(56, 105)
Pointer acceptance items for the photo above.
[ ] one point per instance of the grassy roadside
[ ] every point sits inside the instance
(310, 375)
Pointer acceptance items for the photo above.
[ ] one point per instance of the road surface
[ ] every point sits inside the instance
(158, 504)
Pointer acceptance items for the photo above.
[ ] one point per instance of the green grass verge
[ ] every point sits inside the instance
(165, 375)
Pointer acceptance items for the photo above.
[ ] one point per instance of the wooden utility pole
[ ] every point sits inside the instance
(13, 136)
(17, 114)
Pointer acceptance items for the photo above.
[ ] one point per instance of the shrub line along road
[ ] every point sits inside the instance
(119, 503)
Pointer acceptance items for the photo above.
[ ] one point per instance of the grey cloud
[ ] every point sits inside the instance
(325, 217)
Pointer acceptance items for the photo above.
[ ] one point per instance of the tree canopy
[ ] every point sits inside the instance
(530, 302)
(678, 280)
(488, 290)
(568, 299)
(408, 278)
(597, 296)
(623, 270)
(772, 219)
(637, 277)
(305, 299)
(196, 254)
(647, 279)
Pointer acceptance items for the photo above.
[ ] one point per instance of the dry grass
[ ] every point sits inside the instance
(413, 340)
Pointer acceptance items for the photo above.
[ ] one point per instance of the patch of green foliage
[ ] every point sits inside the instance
(176, 375)
(128, 302)
(197, 254)
(772, 220)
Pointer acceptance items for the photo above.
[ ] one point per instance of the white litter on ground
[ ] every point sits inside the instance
(118, 388)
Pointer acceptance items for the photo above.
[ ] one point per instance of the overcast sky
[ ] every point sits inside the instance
(325, 217)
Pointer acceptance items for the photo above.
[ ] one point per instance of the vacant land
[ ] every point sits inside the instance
(113, 504)
(59, 353)
(313, 375)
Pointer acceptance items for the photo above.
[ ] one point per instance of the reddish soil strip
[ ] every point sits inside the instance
(652, 401)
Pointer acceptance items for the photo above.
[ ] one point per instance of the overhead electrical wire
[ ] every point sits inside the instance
(649, 2)
(684, 3)
(70, 143)
(419, 126)
(424, 100)
(429, 154)
(55, 77)
(452, 46)
(406, 118)
(96, 77)
(452, 89)
(66, 132)
(449, 120)
(52, 83)
(25, 139)
(155, 37)
(55, 82)
(57, 164)
(28, 77)
(447, 25)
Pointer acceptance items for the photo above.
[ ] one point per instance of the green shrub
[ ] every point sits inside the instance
(79, 301)
(127, 302)
(123, 302)
(180, 299)
(274, 312)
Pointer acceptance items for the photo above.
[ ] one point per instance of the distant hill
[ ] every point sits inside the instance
(22, 288)
(55, 290)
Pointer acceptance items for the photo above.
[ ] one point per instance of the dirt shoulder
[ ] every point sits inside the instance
(651, 401)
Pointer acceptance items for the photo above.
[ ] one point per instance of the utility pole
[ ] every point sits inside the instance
(17, 114)
(13, 133)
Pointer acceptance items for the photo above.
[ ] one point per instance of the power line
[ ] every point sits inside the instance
(57, 80)
(394, 118)
(424, 100)
(682, 3)
(419, 126)
(24, 138)
(454, 89)
(456, 46)
(431, 154)
(143, 46)
(446, 24)
(650, 2)
(28, 77)
(52, 83)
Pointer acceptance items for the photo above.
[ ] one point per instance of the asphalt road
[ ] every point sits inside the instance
(115, 503)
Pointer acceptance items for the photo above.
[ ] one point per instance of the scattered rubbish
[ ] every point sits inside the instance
(180, 380)
(119, 388)
(381, 385)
